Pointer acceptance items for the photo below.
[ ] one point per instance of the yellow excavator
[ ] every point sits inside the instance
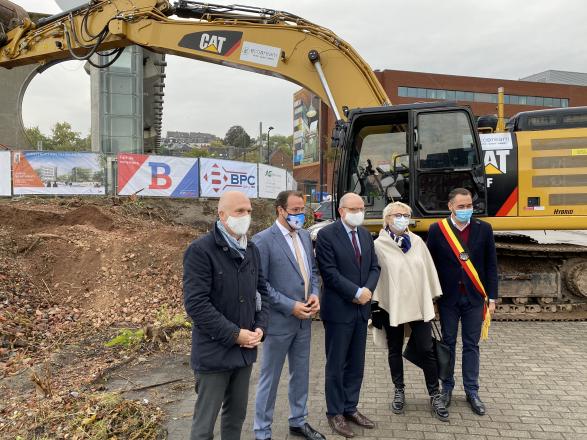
(413, 153)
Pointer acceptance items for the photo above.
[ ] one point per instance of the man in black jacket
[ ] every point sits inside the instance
(462, 300)
(222, 273)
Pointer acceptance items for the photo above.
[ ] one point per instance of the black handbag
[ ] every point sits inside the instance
(378, 316)
(442, 353)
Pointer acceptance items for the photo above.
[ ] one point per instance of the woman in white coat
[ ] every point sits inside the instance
(407, 286)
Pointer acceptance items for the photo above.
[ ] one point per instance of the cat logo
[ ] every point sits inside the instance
(496, 148)
(217, 42)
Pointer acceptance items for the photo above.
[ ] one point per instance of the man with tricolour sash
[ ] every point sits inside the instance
(463, 250)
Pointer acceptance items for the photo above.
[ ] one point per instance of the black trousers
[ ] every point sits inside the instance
(422, 332)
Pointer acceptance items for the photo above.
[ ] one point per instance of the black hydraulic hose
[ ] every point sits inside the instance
(109, 63)
(86, 57)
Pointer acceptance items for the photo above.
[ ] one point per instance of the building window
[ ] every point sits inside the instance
(459, 95)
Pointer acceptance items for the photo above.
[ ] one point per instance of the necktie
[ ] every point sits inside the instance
(356, 246)
(300, 261)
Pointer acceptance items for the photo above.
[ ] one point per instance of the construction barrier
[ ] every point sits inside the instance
(5, 188)
(159, 176)
(218, 176)
(86, 173)
(57, 173)
(272, 181)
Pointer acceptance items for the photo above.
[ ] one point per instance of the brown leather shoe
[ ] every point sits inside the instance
(340, 426)
(360, 420)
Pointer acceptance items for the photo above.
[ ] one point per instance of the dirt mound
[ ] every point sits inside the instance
(89, 215)
(27, 220)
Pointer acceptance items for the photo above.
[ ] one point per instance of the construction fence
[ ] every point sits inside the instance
(84, 173)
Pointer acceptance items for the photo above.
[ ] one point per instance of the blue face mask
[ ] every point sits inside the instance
(463, 215)
(296, 221)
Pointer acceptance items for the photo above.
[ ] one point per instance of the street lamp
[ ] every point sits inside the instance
(268, 150)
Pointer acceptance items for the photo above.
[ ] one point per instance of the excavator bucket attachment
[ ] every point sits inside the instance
(11, 15)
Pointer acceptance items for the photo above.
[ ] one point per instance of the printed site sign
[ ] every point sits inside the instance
(57, 173)
(158, 176)
(291, 182)
(218, 176)
(272, 181)
(5, 189)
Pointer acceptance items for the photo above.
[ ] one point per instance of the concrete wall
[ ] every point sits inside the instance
(11, 132)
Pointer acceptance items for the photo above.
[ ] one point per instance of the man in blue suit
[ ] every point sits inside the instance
(287, 261)
(461, 300)
(348, 264)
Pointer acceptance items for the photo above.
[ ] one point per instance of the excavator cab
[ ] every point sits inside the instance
(414, 154)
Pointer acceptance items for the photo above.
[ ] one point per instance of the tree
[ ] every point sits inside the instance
(197, 152)
(36, 138)
(283, 143)
(237, 136)
(64, 138)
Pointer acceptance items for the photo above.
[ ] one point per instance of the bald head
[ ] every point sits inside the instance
(234, 204)
(351, 199)
(353, 205)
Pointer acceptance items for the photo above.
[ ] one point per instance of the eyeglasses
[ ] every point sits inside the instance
(295, 210)
(407, 216)
(354, 210)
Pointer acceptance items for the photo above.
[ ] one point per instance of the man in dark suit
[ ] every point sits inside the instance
(287, 262)
(461, 300)
(348, 265)
(221, 276)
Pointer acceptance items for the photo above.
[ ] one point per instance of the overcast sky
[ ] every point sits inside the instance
(496, 39)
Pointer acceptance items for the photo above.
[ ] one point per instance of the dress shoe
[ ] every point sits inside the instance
(306, 431)
(446, 397)
(340, 426)
(399, 400)
(438, 408)
(359, 419)
(477, 406)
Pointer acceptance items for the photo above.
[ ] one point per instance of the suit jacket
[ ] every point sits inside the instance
(450, 272)
(342, 275)
(219, 295)
(285, 284)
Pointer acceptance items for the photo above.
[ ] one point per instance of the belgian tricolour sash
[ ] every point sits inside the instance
(461, 252)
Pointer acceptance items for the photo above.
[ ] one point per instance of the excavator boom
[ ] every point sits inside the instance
(264, 41)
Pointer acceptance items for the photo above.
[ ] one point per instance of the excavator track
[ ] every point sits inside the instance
(541, 282)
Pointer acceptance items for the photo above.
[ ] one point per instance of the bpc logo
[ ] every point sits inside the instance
(220, 179)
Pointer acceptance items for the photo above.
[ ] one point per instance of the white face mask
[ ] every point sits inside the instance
(355, 219)
(239, 225)
(400, 223)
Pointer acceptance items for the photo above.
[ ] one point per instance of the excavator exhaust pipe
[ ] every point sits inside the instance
(11, 15)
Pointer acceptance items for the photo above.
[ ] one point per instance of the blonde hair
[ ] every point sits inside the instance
(390, 207)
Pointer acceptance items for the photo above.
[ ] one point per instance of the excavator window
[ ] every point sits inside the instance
(380, 162)
(445, 141)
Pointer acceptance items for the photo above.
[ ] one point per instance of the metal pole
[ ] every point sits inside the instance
(314, 58)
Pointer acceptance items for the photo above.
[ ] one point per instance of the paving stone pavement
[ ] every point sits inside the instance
(533, 382)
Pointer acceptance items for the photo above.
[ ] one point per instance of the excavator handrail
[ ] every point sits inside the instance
(264, 41)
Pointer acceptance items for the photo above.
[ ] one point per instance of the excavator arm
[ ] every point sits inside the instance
(264, 41)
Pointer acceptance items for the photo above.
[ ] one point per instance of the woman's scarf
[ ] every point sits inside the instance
(403, 241)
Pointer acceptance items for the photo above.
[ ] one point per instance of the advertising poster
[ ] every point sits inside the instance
(57, 173)
(5, 189)
(305, 128)
(292, 185)
(157, 176)
(272, 181)
(218, 176)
